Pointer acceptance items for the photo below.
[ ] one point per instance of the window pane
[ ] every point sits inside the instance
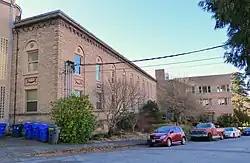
(31, 95)
(33, 56)
(98, 72)
(31, 106)
(78, 93)
(77, 60)
(33, 66)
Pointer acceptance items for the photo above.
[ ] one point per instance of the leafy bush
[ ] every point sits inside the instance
(75, 117)
(226, 120)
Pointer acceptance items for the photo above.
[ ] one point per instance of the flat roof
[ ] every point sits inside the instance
(62, 15)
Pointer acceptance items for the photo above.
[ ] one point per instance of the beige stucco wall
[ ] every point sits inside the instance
(57, 41)
(5, 34)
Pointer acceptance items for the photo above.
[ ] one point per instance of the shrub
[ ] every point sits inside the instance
(75, 117)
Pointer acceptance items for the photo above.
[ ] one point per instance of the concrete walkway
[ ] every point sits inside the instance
(17, 149)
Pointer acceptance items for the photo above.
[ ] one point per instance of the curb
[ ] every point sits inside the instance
(87, 149)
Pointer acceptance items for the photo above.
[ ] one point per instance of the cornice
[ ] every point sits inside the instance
(58, 16)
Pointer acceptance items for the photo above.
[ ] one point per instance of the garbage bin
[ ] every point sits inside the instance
(54, 134)
(2, 129)
(44, 134)
(35, 131)
(17, 130)
(28, 130)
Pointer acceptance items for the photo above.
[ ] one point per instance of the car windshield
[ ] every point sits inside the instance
(229, 129)
(203, 125)
(247, 129)
(163, 129)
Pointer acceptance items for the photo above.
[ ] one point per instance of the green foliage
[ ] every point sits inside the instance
(151, 109)
(235, 16)
(241, 116)
(127, 121)
(239, 84)
(75, 117)
(227, 120)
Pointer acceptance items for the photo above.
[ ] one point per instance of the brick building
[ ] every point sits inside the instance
(44, 50)
(214, 91)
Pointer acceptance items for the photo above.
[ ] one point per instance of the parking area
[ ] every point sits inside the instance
(229, 150)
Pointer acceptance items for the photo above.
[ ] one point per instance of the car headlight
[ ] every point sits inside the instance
(163, 137)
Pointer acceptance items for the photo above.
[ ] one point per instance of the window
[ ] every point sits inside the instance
(78, 93)
(2, 101)
(209, 89)
(112, 76)
(4, 55)
(200, 90)
(131, 79)
(77, 63)
(148, 89)
(204, 89)
(223, 101)
(32, 61)
(98, 72)
(31, 98)
(123, 77)
(193, 89)
(223, 88)
(99, 101)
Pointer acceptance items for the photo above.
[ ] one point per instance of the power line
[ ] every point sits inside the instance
(201, 65)
(157, 58)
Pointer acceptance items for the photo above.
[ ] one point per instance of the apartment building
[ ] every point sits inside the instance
(54, 56)
(214, 91)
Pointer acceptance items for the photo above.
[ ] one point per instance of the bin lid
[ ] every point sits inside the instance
(3, 124)
(35, 125)
(43, 126)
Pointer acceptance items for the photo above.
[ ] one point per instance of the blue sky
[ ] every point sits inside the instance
(146, 28)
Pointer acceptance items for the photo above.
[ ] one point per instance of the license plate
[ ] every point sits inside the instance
(153, 141)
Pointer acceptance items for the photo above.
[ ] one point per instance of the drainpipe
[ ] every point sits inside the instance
(9, 65)
(16, 72)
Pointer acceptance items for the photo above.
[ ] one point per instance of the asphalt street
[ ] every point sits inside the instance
(229, 151)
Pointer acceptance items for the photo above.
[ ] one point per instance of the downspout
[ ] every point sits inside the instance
(9, 66)
(16, 72)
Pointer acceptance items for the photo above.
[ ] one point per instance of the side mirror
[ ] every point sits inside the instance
(171, 132)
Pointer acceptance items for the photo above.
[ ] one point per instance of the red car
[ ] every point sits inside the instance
(167, 135)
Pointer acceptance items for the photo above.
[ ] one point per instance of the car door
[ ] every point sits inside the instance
(173, 134)
(178, 133)
(214, 130)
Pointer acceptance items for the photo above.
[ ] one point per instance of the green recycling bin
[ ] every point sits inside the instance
(54, 134)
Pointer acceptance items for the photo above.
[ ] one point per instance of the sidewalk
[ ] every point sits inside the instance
(17, 149)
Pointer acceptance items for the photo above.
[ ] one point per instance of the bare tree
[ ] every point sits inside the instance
(177, 98)
(119, 98)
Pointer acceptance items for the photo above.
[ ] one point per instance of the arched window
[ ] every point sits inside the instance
(32, 51)
(98, 69)
(131, 79)
(79, 54)
(148, 88)
(123, 77)
(113, 73)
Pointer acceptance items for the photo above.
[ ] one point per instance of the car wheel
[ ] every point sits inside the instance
(151, 145)
(183, 141)
(210, 137)
(169, 142)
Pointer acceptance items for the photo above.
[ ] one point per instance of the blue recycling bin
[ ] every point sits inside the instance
(44, 132)
(2, 129)
(28, 130)
(35, 131)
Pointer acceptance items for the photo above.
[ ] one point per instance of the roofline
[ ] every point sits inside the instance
(205, 76)
(65, 17)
